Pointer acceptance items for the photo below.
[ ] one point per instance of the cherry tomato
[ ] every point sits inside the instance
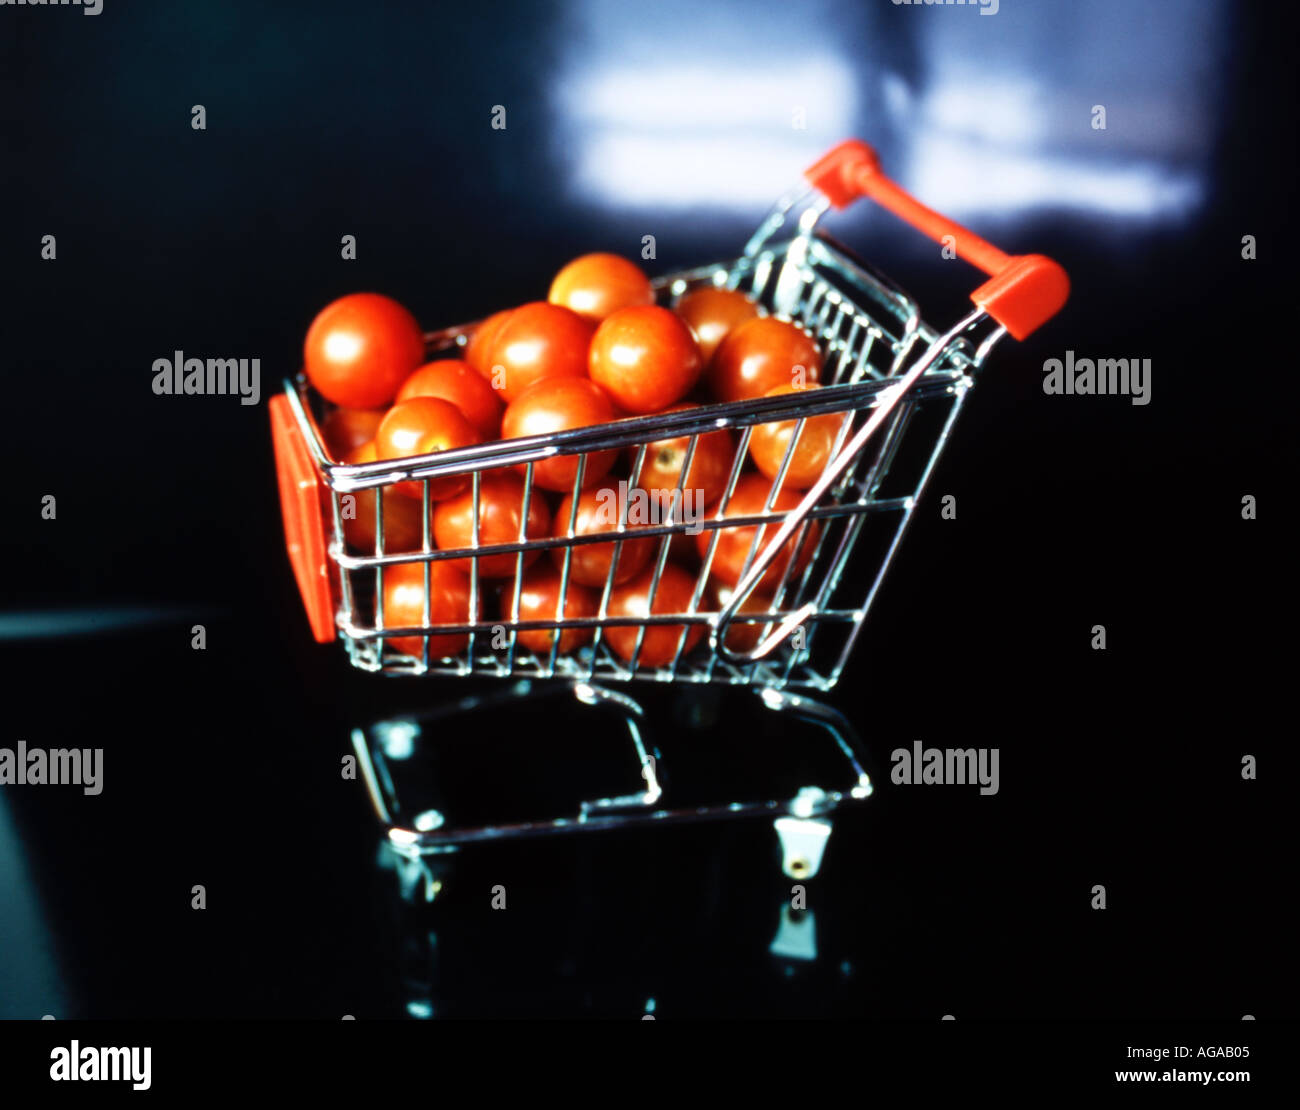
(712, 313)
(768, 444)
(478, 351)
(557, 405)
(744, 637)
(457, 382)
(710, 465)
(424, 426)
(759, 355)
(360, 348)
(645, 358)
(659, 648)
(595, 285)
(403, 524)
(537, 341)
(599, 511)
(750, 499)
(500, 513)
(347, 429)
(539, 600)
(449, 598)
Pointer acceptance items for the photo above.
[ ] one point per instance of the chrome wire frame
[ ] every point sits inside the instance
(882, 367)
(431, 832)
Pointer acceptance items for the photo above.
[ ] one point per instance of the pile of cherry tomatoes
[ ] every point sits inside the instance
(598, 349)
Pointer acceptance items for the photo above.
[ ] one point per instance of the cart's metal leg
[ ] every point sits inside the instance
(803, 837)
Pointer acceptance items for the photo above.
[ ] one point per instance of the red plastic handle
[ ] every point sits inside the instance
(304, 520)
(1023, 291)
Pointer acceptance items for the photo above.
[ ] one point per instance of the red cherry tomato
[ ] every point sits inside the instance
(500, 513)
(744, 637)
(449, 598)
(595, 285)
(712, 313)
(403, 523)
(676, 588)
(347, 429)
(537, 341)
(539, 600)
(710, 465)
(599, 511)
(557, 405)
(478, 351)
(761, 354)
(457, 382)
(424, 426)
(645, 358)
(768, 444)
(360, 348)
(750, 499)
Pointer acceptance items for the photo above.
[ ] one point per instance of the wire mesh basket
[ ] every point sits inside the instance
(802, 569)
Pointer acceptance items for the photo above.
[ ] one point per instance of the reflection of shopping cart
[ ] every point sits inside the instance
(790, 622)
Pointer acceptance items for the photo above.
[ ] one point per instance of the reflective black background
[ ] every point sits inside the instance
(1119, 768)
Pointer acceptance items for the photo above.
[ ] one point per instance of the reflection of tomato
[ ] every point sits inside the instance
(478, 350)
(537, 341)
(645, 358)
(500, 513)
(712, 313)
(599, 510)
(345, 430)
(557, 405)
(539, 600)
(710, 465)
(404, 607)
(457, 382)
(744, 637)
(597, 284)
(759, 355)
(403, 523)
(423, 426)
(768, 444)
(676, 588)
(360, 349)
(750, 499)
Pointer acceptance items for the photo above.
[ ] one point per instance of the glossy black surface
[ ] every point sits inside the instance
(325, 119)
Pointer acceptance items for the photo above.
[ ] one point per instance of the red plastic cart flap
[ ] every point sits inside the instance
(304, 523)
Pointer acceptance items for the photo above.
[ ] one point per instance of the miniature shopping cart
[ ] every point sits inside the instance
(898, 385)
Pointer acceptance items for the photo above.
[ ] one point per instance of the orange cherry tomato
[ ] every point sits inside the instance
(712, 313)
(347, 429)
(537, 341)
(768, 444)
(478, 351)
(676, 588)
(403, 523)
(424, 426)
(761, 354)
(500, 514)
(539, 600)
(558, 405)
(360, 348)
(710, 465)
(595, 285)
(449, 603)
(750, 499)
(459, 383)
(599, 511)
(645, 358)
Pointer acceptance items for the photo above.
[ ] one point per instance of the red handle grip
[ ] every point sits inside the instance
(1023, 291)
